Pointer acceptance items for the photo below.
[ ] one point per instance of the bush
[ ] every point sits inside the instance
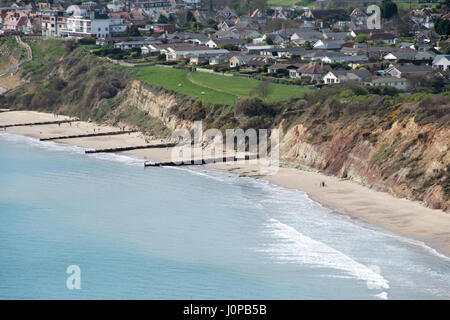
(86, 41)
(254, 107)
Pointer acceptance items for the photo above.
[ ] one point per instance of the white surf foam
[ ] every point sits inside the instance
(297, 248)
(55, 146)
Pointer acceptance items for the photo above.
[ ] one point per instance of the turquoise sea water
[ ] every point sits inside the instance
(168, 233)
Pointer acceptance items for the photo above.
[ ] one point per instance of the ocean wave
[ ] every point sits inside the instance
(61, 147)
(292, 246)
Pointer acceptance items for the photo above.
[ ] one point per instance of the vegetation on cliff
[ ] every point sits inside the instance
(386, 139)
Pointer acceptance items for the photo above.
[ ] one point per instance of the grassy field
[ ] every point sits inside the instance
(212, 87)
(300, 3)
(414, 5)
(43, 51)
(10, 53)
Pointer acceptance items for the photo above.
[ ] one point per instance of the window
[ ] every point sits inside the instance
(99, 29)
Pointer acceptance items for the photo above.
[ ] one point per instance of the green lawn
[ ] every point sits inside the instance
(414, 5)
(300, 3)
(212, 87)
(46, 49)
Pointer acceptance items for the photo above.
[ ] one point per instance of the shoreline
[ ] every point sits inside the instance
(400, 216)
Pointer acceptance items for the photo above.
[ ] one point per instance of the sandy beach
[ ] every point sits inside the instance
(401, 216)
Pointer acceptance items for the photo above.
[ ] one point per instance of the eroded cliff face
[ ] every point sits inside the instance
(408, 160)
(158, 103)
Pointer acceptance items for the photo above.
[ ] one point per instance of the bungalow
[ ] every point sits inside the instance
(339, 57)
(402, 71)
(395, 82)
(441, 62)
(360, 76)
(179, 51)
(312, 70)
(277, 66)
(251, 49)
(215, 43)
(248, 60)
(387, 38)
(409, 54)
(336, 35)
(300, 38)
(221, 58)
(128, 45)
(404, 54)
(328, 44)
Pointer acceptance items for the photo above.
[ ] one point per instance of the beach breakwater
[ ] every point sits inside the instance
(386, 147)
(408, 159)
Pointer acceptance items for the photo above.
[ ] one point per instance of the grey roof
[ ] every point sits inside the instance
(412, 68)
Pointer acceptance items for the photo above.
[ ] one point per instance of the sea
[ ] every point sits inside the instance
(131, 232)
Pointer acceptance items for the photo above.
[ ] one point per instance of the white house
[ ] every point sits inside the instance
(339, 76)
(399, 83)
(92, 25)
(442, 62)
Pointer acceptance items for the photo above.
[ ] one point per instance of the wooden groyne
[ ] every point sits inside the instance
(38, 123)
(197, 162)
(148, 146)
(88, 135)
(7, 110)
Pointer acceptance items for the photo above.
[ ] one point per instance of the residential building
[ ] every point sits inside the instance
(404, 70)
(340, 76)
(441, 62)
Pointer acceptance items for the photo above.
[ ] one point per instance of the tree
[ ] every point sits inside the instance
(133, 31)
(263, 90)
(307, 45)
(190, 17)
(403, 29)
(162, 19)
(361, 38)
(388, 9)
(442, 26)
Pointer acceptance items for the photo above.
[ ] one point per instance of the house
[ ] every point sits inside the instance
(248, 60)
(326, 16)
(386, 38)
(15, 23)
(407, 45)
(92, 24)
(215, 43)
(164, 28)
(404, 70)
(300, 38)
(226, 14)
(336, 35)
(441, 62)
(277, 66)
(427, 36)
(399, 83)
(408, 54)
(328, 44)
(251, 49)
(179, 51)
(221, 58)
(312, 70)
(128, 45)
(274, 37)
(358, 18)
(403, 54)
(339, 76)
